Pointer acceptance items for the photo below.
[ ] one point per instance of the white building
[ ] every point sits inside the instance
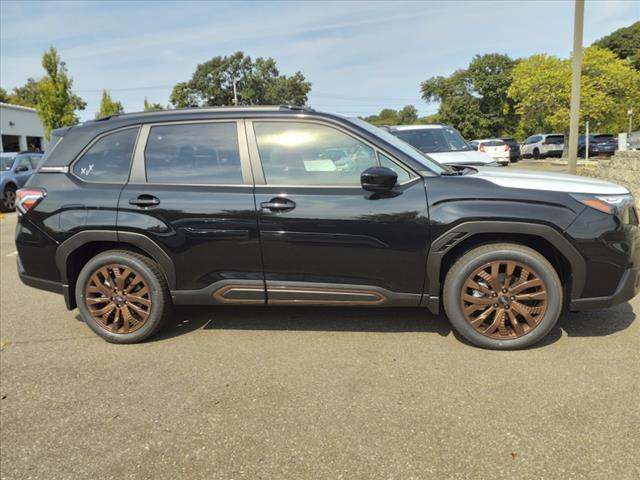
(21, 129)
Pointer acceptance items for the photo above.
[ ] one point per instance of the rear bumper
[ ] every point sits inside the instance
(628, 288)
(42, 284)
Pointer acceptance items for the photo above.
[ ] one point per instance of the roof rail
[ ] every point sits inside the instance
(302, 108)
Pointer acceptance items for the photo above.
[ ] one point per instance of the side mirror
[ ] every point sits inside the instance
(378, 179)
(22, 168)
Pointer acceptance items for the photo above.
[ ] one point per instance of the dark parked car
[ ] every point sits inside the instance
(514, 148)
(15, 170)
(287, 206)
(599, 144)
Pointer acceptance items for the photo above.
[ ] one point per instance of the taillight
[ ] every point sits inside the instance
(27, 198)
(507, 148)
(481, 147)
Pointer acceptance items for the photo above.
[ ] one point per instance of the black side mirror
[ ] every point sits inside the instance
(378, 179)
(21, 168)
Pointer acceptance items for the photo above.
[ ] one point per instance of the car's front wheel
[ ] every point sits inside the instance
(122, 296)
(8, 203)
(503, 296)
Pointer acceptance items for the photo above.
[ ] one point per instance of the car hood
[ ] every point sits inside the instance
(470, 157)
(550, 182)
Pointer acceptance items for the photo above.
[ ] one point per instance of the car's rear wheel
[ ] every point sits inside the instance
(503, 296)
(8, 202)
(122, 296)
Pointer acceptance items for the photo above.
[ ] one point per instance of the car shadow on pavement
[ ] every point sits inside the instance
(187, 319)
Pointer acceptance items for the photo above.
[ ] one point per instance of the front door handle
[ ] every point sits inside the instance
(278, 204)
(145, 201)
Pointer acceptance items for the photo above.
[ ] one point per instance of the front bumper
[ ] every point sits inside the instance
(628, 288)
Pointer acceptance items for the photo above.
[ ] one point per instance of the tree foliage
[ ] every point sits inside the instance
(151, 107)
(624, 42)
(56, 103)
(408, 115)
(474, 100)
(108, 106)
(258, 82)
(541, 90)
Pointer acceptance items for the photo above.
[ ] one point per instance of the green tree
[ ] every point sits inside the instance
(624, 42)
(151, 107)
(108, 106)
(474, 100)
(541, 90)
(27, 95)
(56, 103)
(408, 115)
(4, 96)
(257, 83)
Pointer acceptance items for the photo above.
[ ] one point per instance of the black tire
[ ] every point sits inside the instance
(159, 295)
(8, 203)
(464, 267)
(536, 154)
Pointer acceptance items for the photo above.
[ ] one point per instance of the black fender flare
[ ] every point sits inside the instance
(448, 240)
(144, 243)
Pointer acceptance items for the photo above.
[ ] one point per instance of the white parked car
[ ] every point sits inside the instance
(543, 146)
(496, 148)
(442, 143)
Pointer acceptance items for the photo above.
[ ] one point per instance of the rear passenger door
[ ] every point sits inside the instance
(191, 193)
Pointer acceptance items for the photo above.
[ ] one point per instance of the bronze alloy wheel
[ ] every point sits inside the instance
(118, 298)
(504, 299)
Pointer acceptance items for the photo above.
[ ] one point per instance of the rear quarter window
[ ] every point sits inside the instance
(108, 160)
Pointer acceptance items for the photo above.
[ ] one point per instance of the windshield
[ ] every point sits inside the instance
(404, 147)
(6, 162)
(434, 140)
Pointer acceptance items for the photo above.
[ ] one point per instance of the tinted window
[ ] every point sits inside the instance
(108, 160)
(294, 153)
(492, 143)
(433, 140)
(555, 139)
(197, 153)
(385, 161)
(536, 139)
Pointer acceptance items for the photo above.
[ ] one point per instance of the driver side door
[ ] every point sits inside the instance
(324, 239)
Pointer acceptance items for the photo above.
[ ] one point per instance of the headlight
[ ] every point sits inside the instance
(611, 204)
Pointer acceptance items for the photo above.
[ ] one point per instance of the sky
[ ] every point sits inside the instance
(360, 56)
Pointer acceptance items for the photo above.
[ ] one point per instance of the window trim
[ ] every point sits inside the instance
(256, 162)
(138, 174)
(95, 140)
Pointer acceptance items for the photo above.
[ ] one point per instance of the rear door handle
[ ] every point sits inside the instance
(278, 204)
(145, 201)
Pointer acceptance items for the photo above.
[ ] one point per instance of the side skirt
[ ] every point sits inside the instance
(251, 292)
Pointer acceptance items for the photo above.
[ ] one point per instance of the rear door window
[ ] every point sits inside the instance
(108, 159)
(194, 154)
(555, 139)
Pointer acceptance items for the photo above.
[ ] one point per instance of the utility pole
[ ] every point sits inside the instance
(586, 140)
(574, 121)
(235, 93)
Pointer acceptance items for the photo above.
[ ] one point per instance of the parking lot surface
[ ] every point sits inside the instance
(313, 393)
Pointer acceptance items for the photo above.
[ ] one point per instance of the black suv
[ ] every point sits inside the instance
(130, 214)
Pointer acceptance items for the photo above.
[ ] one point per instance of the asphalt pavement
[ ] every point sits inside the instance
(311, 393)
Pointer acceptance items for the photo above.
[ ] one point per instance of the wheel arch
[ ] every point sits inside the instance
(74, 253)
(546, 240)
